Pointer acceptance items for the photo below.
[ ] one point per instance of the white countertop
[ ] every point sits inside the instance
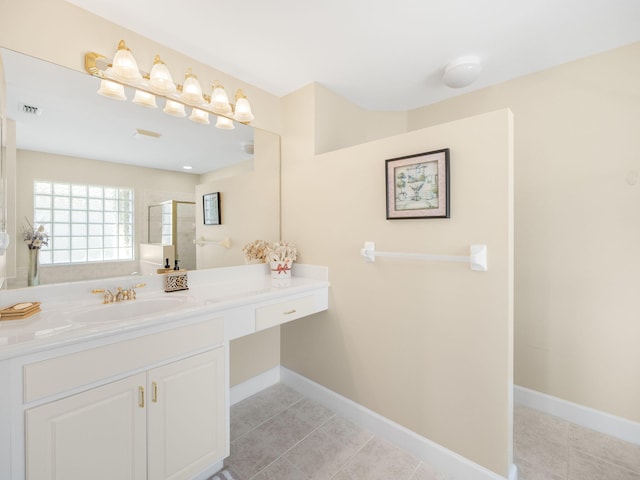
(71, 313)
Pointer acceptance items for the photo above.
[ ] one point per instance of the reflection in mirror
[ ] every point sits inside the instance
(65, 132)
(170, 224)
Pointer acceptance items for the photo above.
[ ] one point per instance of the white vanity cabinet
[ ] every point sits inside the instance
(100, 433)
(84, 394)
(165, 423)
(186, 419)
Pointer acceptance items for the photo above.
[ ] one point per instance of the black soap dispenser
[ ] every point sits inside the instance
(166, 264)
(176, 267)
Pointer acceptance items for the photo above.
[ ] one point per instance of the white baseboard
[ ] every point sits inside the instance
(453, 465)
(584, 416)
(254, 385)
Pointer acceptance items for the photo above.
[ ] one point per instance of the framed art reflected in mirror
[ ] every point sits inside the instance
(211, 206)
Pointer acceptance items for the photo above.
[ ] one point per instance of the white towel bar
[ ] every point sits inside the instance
(477, 258)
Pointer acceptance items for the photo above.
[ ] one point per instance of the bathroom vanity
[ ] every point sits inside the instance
(137, 389)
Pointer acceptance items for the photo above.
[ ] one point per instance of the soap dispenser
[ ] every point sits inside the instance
(176, 267)
(166, 264)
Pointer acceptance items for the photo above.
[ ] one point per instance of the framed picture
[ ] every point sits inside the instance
(418, 185)
(211, 205)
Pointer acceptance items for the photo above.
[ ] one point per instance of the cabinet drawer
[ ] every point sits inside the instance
(45, 378)
(277, 313)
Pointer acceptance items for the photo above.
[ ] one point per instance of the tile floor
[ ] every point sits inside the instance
(279, 434)
(550, 448)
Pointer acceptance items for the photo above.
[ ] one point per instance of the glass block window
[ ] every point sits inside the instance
(85, 223)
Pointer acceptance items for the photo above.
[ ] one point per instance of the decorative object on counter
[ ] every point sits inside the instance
(255, 252)
(176, 280)
(281, 256)
(19, 311)
(418, 185)
(35, 238)
(211, 208)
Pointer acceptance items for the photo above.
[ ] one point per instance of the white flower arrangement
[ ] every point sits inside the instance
(282, 252)
(34, 237)
(256, 250)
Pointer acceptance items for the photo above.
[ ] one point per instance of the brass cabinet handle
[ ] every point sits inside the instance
(154, 397)
(290, 312)
(141, 397)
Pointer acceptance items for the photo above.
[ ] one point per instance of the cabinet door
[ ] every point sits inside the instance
(186, 416)
(98, 434)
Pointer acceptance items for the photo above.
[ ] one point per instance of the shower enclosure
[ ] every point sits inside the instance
(172, 223)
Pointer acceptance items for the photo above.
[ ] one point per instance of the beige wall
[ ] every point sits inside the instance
(150, 186)
(577, 138)
(250, 210)
(425, 344)
(340, 124)
(249, 203)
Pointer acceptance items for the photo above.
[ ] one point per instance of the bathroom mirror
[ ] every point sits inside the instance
(60, 120)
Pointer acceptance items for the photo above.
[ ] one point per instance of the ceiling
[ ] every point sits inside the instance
(381, 55)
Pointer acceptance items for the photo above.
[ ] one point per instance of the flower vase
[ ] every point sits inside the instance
(281, 270)
(33, 275)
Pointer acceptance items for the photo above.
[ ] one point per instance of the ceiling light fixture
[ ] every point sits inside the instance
(123, 71)
(462, 72)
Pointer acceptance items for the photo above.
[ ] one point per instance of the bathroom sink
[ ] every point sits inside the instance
(128, 309)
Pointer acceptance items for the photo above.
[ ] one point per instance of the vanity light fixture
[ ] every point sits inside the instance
(125, 67)
(191, 90)
(224, 123)
(199, 116)
(173, 108)
(243, 109)
(144, 99)
(123, 71)
(160, 80)
(219, 100)
(111, 89)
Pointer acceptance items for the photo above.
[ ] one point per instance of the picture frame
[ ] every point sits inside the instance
(211, 208)
(418, 185)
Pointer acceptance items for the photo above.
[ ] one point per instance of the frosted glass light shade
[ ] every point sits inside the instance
(144, 99)
(111, 89)
(199, 116)
(191, 90)
(219, 100)
(174, 109)
(243, 108)
(225, 123)
(462, 72)
(160, 80)
(125, 67)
